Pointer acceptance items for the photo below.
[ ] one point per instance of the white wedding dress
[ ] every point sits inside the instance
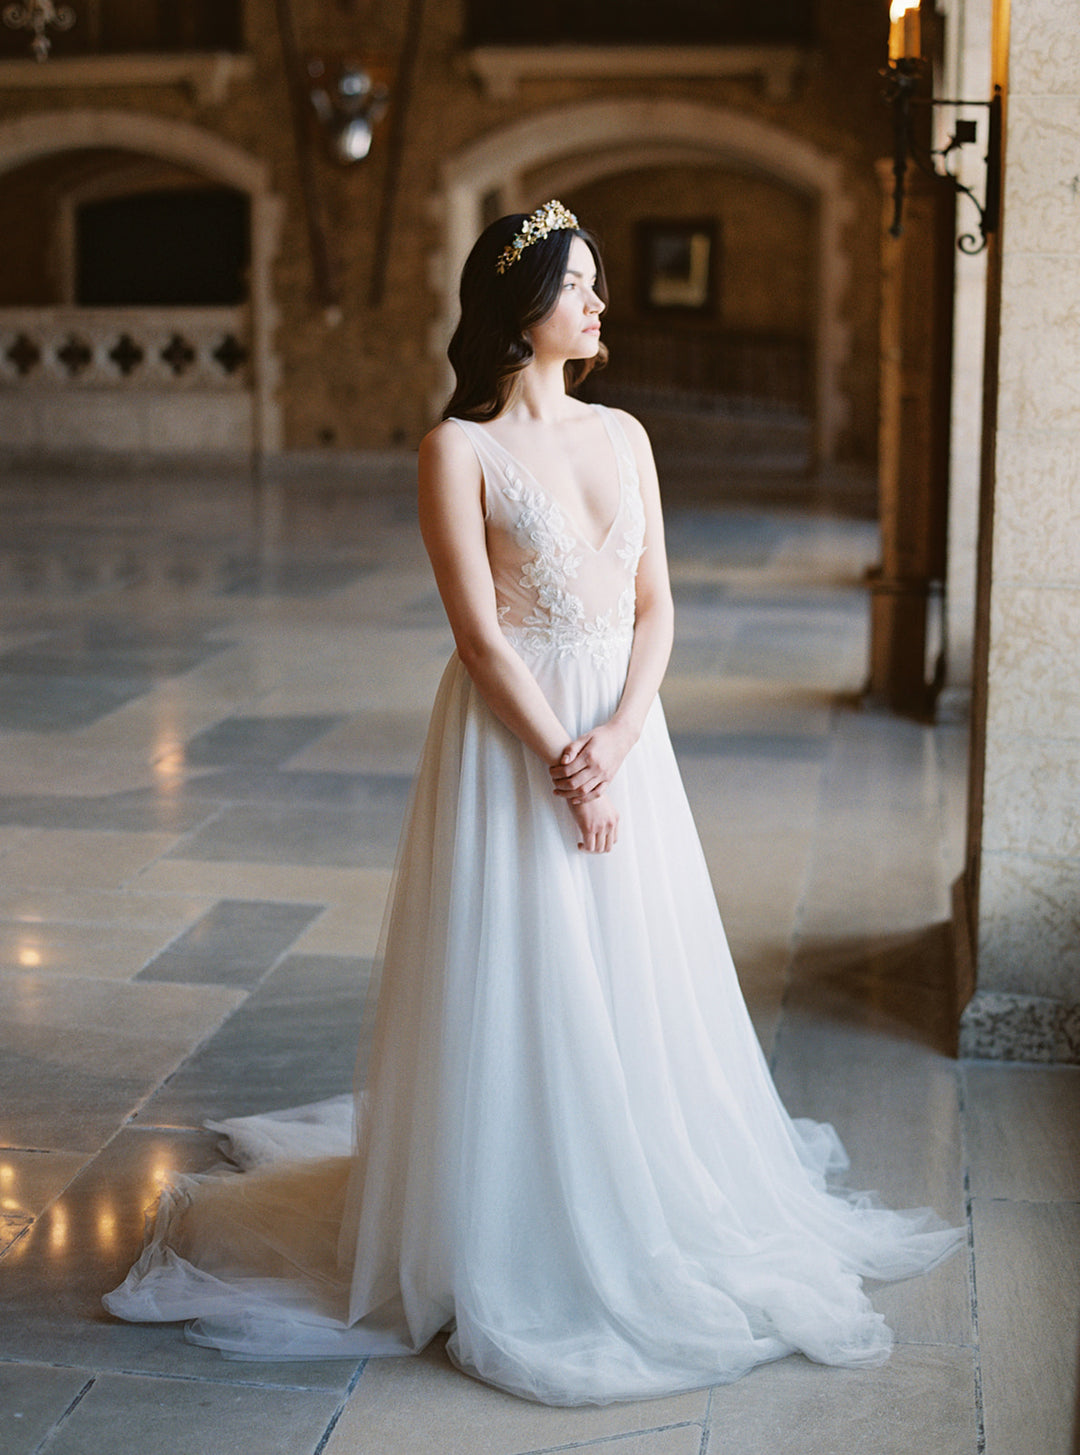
(571, 1153)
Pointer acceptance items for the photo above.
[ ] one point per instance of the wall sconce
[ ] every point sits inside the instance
(903, 78)
(36, 16)
(348, 102)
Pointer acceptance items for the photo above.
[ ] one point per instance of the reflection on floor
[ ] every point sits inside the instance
(211, 700)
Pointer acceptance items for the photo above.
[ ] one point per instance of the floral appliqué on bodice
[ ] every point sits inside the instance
(556, 592)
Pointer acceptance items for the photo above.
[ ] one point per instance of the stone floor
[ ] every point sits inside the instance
(211, 699)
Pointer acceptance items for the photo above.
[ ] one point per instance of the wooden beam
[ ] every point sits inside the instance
(395, 148)
(324, 282)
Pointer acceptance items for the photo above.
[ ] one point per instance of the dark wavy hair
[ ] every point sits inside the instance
(490, 346)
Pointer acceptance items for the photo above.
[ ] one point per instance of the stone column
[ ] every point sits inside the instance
(966, 73)
(1023, 877)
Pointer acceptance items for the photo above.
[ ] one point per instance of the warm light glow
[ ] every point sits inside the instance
(106, 1226)
(168, 760)
(169, 763)
(161, 1173)
(29, 956)
(905, 41)
(7, 1175)
(58, 1233)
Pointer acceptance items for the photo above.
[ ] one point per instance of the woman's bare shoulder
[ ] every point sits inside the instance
(446, 435)
(630, 423)
(448, 446)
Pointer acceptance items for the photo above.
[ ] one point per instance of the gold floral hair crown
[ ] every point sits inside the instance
(552, 217)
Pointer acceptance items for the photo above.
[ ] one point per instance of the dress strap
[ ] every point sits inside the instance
(489, 461)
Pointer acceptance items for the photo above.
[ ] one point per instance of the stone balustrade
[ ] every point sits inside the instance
(114, 381)
(124, 348)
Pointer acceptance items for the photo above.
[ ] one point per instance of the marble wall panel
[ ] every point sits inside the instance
(1034, 650)
(1044, 58)
(1030, 801)
(1037, 507)
(1039, 366)
(1042, 193)
(1029, 925)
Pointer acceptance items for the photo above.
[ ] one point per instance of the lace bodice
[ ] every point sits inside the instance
(555, 591)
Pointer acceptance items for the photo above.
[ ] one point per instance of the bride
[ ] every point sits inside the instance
(570, 1153)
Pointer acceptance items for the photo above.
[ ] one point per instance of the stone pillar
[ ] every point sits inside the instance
(1023, 876)
(966, 73)
(916, 328)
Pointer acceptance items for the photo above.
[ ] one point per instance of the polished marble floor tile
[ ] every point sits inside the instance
(138, 811)
(10, 836)
(1023, 1131)
(102, 907)
(289, 579)
(351, 926)
(363, 837)
(235, 943)
(82, 858)
(112, 952)
(721, 746)
(94, 762)
(191, 1417)
(250, 670)
(742, 540)
(260, 741)
(762, 967)
(293, 883)
(746, 707)
(62, 701)
(368, 742)
(70, 680)
(292, 1041)
(423, 1406)
(1027, 1260)
(853, 1050)
(78, 1056)
(370, 791)
(83, 1244)
(33, 1398)
(30, 1180)
(922, 1402)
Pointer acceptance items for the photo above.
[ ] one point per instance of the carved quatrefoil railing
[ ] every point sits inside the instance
(124, 348)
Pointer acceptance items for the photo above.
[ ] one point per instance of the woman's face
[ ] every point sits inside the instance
(572, 328)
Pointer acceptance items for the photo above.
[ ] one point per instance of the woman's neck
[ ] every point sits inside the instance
(541, 394)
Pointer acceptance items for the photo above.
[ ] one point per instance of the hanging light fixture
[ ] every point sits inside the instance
(348, 102)
(37, 16)
(904, 76)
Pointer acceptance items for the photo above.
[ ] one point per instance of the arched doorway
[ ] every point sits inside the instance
(520, 165)
(174, 377)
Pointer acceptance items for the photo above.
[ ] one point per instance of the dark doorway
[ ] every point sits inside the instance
(181, 246)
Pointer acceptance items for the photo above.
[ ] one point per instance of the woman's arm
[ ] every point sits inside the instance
(588, 764)
(452, 525)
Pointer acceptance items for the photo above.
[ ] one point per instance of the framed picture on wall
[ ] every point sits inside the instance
(677, 265)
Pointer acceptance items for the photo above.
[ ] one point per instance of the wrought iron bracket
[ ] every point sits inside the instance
(903, 79)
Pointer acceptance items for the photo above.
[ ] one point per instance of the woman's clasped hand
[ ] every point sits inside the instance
(585, 769)
(588, 765)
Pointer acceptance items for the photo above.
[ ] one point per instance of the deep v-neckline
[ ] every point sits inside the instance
(558, 505)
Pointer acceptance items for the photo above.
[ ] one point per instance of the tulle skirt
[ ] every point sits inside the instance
(570, 1152)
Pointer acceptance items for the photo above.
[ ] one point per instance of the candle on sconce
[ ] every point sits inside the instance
(904, 38)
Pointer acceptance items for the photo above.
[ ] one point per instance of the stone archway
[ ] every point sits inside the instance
(575, 144)
(45, 133)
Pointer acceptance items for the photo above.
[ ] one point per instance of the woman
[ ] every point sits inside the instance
(571, 1153)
